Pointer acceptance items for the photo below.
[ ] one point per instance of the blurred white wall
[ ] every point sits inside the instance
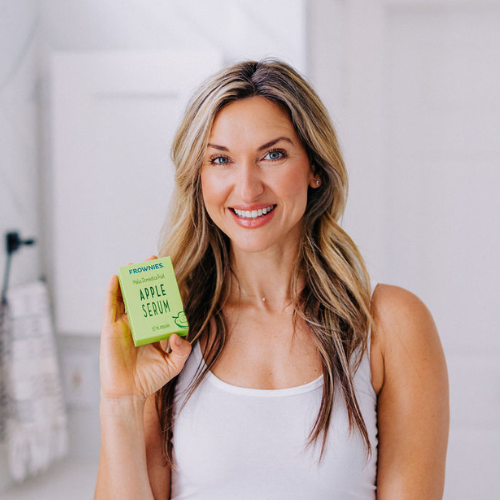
(412, 87)
(19, 174)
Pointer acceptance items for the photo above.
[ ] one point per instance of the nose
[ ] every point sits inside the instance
(250, 184)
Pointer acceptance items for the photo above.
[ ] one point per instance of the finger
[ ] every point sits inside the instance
(180, 351)
(164, 345)
(161, 346)
(152, 257)
(111, 299)
(120, 306)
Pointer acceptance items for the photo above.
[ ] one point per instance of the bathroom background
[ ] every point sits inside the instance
(91, 91)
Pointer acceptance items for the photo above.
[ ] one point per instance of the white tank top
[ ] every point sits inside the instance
(234, 443)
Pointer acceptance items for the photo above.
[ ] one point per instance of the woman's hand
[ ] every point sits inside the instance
(128, 371)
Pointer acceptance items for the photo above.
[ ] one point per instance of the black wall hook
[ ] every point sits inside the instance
(12, 243)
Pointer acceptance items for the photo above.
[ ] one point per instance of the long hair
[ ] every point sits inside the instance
(335, 300)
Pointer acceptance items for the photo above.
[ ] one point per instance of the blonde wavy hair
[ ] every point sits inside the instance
(335, 301)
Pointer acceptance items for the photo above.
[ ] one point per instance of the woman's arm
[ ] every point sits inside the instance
(130, 376)
(413, 401)
(123, 471)
(158, 471)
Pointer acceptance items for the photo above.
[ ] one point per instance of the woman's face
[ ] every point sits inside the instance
(255, 176)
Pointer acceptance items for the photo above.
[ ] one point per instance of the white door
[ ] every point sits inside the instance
(114, 116)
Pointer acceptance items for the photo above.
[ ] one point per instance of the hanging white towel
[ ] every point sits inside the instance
(36, 423)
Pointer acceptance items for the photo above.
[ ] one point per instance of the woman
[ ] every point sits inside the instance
(297, 381)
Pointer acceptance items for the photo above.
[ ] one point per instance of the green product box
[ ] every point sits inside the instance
(152, 301)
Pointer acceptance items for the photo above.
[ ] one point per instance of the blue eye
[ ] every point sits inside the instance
(219, 160)
(275, 154)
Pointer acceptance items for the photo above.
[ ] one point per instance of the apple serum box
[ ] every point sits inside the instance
(152, 301)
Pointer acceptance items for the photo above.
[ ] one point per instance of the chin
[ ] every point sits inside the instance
(254, 243)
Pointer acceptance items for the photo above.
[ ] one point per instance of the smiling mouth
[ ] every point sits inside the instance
(253, 214)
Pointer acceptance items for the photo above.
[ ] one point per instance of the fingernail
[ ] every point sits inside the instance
(178, 341)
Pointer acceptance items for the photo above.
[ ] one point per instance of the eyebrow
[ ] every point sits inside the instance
(264, 146)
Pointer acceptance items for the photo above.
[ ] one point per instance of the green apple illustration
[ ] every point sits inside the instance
(181, 320)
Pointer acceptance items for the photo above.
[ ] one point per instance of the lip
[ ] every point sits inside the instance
(253, 223)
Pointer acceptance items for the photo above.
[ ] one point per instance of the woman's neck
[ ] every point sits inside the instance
(263, 279)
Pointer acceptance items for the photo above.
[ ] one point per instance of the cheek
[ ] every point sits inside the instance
(213, 191)
(297, 187)
(297, 191)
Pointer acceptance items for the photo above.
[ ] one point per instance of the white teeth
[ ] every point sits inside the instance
(253, 214)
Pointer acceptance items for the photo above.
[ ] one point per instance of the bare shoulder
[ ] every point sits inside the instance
(404, 334)
(410, 377)
(392, 305)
